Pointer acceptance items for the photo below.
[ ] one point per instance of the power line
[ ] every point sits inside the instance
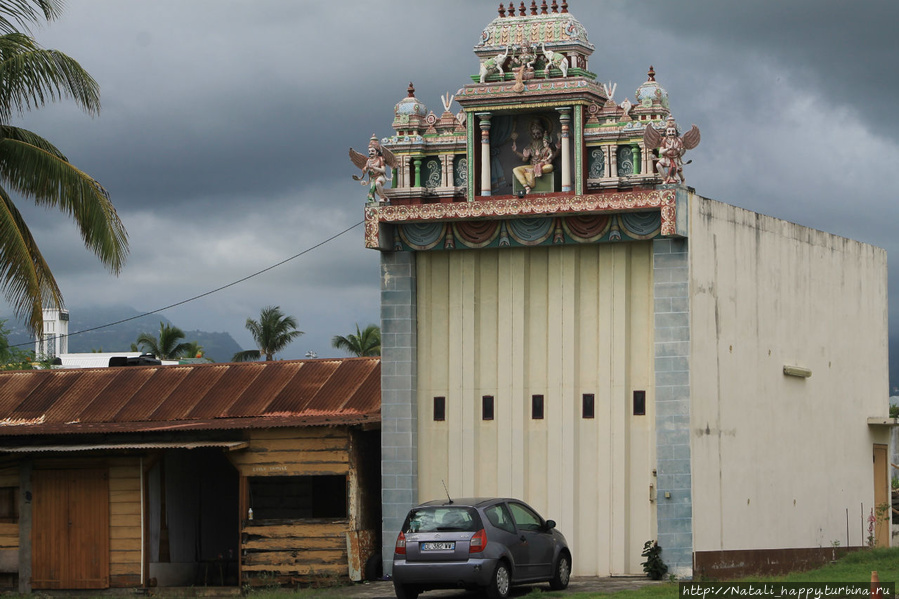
(202, 295)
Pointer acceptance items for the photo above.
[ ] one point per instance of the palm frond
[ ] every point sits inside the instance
(25, 278)
(363, 343)
(15, 14)
(39, 174)
(33, 76)
(247, 355)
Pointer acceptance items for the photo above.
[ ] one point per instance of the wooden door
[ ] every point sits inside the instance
(70, 531)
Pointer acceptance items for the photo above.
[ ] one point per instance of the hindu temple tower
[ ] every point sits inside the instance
(565, 321)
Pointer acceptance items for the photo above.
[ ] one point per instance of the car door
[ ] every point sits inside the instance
(536, 539)
(505, 532)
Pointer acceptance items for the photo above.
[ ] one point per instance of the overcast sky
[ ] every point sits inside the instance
(225, 125)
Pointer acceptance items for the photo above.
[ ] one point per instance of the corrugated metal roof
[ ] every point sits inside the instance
(228, 445)
(191, 397)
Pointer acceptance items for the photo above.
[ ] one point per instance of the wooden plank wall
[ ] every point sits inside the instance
(294, 452)
(293, 551)
(124, 522)
(290, 551)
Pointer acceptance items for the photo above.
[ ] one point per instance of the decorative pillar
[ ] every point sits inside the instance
(485, 152)
(613, 163)
(448, 174)
(404, 172)
(638, 155)
(565, 117)
(607, 167)
(417, 162)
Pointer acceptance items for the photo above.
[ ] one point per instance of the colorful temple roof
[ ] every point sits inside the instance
(537, 136)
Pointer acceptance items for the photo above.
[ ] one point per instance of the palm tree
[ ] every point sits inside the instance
(272, 332)
(193, 349)
(363, 343)
(32, 168)
(167, 346)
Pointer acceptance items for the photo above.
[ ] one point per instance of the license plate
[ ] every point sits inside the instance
(438, 546)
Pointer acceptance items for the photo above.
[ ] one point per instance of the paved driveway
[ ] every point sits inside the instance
(581, 584)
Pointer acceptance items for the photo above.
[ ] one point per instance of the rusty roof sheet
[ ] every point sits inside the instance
(191, 397)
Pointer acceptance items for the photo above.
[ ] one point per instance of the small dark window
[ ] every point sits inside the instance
(587, 409)
(639, 403)
(537, 407)
(296, 497)
(487, 407)
(9, 504)
(439, 409)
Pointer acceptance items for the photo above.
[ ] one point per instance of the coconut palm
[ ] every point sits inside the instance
(25, 12)
(363, 343)
(33, 169)
(272, 332)
(167, 346)
(193, 349)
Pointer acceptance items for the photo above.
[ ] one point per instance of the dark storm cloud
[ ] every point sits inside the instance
(225, 127)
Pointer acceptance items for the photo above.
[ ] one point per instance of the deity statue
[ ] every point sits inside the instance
(374, 166)
(538, 155)
(525, 56)
(671, 149)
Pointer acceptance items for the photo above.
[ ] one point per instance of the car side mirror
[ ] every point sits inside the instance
(550, 524)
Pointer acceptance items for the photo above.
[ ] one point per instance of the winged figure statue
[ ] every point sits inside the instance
(375, 166)
(671, 149)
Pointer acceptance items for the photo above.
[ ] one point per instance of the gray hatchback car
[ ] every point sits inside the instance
(478, 543)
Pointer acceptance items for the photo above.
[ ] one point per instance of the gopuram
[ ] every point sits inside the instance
(537, 135)
(565, 321)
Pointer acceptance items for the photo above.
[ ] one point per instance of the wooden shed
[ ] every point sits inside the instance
(201, 474)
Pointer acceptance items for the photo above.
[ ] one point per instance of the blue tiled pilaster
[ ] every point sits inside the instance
(399, 381)
(672, 396)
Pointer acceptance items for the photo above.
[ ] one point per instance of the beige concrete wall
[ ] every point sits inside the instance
(778, 460)
(559, 321)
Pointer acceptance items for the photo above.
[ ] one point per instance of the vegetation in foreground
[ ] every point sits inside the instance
(854, 567)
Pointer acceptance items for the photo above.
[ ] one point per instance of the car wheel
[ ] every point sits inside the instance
(501, 583)
(406, 591)
(561, 573)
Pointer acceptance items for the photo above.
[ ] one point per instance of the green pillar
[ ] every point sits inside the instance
(417, 162)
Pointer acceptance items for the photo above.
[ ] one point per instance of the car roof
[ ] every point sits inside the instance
(467, 501)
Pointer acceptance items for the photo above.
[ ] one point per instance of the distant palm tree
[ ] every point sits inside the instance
(167, 346)
(272, 332)
(193, 349)
(363, 343)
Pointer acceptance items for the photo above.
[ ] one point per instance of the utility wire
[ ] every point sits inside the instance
(202, 295)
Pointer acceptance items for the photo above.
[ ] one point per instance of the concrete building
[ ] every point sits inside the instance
(636, 361)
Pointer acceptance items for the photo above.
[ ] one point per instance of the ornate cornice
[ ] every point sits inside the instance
(663, 200)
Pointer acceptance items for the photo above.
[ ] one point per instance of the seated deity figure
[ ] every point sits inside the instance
(538, 155)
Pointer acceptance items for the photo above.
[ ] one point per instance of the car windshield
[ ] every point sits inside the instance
(442, 518)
